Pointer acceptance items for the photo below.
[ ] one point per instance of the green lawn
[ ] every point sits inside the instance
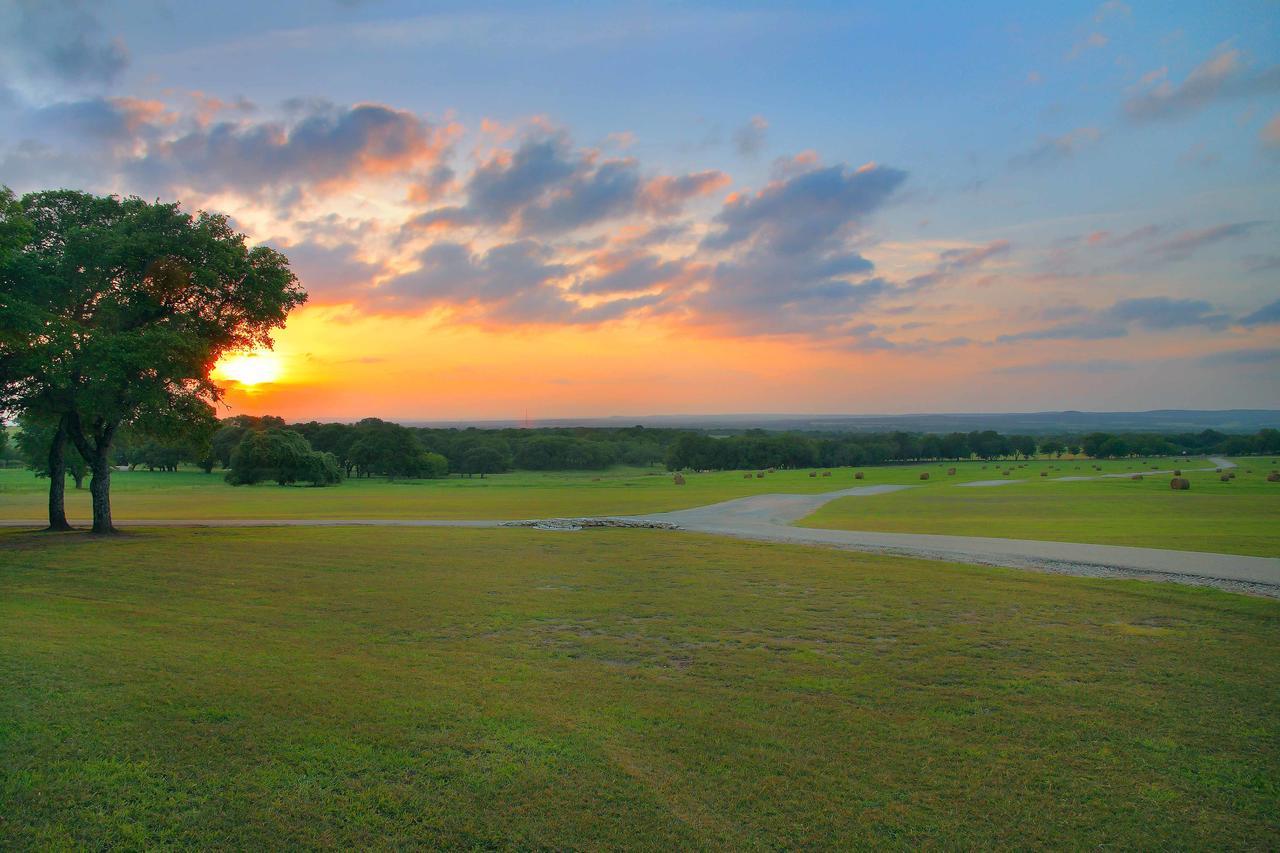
(642, 689)
(194, 494)
(1240, 517)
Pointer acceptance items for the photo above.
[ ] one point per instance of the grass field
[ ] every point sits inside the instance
(194, 494)
(1239, 517)
(246, 688)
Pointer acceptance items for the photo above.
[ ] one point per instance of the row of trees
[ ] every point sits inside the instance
(758, 449)
(113, 312)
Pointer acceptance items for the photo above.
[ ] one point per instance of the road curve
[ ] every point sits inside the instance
(768, 518)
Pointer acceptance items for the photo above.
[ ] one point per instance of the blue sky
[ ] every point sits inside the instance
(1082, 195)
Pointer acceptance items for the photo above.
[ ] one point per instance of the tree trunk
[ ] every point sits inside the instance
(58, 480)
(100, 490)
(98, 455)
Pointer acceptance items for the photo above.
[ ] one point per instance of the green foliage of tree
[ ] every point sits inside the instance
(282, 456)
(485, 459)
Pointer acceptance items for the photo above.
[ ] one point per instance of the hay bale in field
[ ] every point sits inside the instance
(1136, 477)
(759, 475)
(813, 473)
(1177, 472)
(924, 475)
(678, 479)
(826, 473)
(1179, 484)
(951, 472)
(1226, 478)
(773, 470)
(1231, 474)
(747, 476)
(857, 476)
(1044, 473)
(1273, 477)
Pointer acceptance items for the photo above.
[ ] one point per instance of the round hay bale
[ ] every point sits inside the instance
(759, 475)
(858, 476)
(1044, 473)
(678, 479)
(826, 473)
(1273, 477)
(951, 472)
(1179, 484)
(1177, 472)
(1226, 478)
(924, 475)
(1136, 477)
(748, 476)
(1217, 470)
(1231, 474)
(813, 473)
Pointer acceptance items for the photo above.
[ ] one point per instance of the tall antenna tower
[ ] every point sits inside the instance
(526, 424)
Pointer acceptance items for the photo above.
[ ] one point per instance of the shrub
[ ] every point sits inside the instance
(281, 455)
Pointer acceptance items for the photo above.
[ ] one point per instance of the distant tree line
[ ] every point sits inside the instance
(759, 449)
(377, 448)
(253, 449)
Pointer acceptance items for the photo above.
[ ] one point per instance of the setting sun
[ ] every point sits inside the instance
(250, 369)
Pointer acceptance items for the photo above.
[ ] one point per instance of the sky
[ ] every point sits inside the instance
(578, 210)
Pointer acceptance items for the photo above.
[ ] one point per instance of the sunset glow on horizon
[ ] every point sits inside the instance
(822, 208)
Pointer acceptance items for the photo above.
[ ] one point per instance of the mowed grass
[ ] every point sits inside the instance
(1239, 517)
(191, 494)
(624, 688)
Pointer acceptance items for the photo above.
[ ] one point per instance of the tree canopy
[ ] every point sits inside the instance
(114, 310)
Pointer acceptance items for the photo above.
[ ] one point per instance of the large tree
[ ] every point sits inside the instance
(114, 310)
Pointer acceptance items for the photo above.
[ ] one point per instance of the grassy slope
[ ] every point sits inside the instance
(1240, 517)
(255, 688)
(193, 494)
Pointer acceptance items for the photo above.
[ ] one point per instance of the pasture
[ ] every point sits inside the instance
(1238, 517)
(486, 688)
(192, 494)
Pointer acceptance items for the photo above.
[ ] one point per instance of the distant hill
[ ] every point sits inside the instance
(1034, 423)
